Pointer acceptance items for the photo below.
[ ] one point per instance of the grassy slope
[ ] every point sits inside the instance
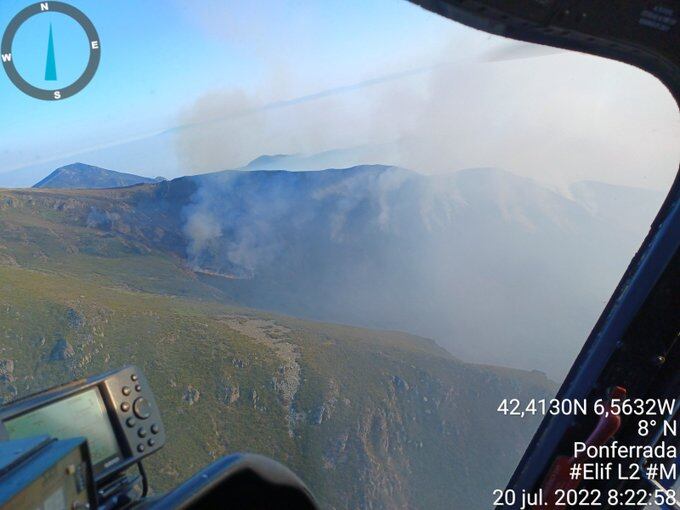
(402, 422)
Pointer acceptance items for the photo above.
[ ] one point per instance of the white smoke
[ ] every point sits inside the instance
(558, 119)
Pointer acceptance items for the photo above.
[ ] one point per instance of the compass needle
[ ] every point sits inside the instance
(51, 64)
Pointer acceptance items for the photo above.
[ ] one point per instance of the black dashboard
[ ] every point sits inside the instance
(115, 422)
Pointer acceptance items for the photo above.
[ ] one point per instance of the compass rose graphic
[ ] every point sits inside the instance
(9, 58)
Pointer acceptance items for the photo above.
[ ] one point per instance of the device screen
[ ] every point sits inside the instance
(83, 415)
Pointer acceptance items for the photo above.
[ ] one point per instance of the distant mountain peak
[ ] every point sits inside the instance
(266, 159)
(83, 176)
(333, 158)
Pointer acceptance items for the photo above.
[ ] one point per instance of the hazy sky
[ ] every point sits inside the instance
(286, 76)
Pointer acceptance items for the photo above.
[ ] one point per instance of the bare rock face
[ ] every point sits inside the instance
(191, 395)
(286, 382)
(62, 351)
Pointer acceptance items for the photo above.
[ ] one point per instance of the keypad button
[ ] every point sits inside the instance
(151, 442)
(125, 407)
(141, 432)
(138, 387)
(154, 429)
(142, 408)
(126, 390)
(140, 448)
(134, 377)
(131, 422)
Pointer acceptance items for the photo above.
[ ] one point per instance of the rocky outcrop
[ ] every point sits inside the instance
(8, 260)
(400, 384)
(231, 394)
(238, 363)
(325, 410)
(7, 371)
(8, 390)
(62, 351)
(74, 319)
(286, 380)
(191, 395)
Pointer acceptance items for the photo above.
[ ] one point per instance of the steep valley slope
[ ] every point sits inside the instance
(369, 419)
(494, 267)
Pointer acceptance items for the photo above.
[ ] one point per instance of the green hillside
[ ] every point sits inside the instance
(369, 419)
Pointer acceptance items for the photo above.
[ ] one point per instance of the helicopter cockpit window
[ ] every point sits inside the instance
(355, 237)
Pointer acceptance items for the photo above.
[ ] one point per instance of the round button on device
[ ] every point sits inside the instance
(154, 429)
(142, 408)
(131, 422)
(138, 387)
(141, 432)
(151, 442)
(134, 377)
(126, 390)
(140, 448)
(125, 407)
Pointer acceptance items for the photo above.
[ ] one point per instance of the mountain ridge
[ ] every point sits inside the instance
(83, 176)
